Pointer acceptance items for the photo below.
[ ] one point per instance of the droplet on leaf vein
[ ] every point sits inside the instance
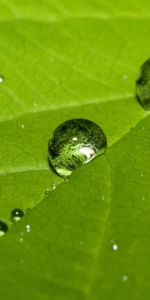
(74, 143)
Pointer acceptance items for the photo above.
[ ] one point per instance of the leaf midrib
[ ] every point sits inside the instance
(69, 104)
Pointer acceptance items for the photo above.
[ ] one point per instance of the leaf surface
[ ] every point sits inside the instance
(61, 61)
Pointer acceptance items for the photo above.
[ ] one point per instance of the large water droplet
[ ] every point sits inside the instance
(3, 228)
(143, 85)
(1, 79)
(74, 143)
(16, 215)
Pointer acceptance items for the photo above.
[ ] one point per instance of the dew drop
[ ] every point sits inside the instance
(53, 186)
(74, 143)
(114, 247)
(3, 228)
(28, 229)
(125, 277)
(47, 191)
(21, 239)
(1, 79)
(143, 85)
(16, 215)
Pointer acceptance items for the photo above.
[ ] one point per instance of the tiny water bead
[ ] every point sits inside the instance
(125, 277)
(53, 186)
(74, 143)
(114, 247)
(1, 79)
(3, 228)
(143, 85)
(47, 192)
(21, 238)
(28, 228)
(16, 215)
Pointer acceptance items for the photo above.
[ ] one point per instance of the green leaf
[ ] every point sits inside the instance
(60, 61)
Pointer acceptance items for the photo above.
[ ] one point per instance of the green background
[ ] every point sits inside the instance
(74, 59)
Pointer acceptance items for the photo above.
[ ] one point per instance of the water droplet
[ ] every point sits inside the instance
(142, 174)
(143, 85)
(21, 239)
(1, 79)
(114, 247)
(53, 186)
(143, 198)
(3, 228)
(47, 191)
(22, 126)
(74, 143)
(28, 228)
(16, 215)
(125, 277)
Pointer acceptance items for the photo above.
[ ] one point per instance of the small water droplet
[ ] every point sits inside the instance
(143, 198)
(74, 143)
(53, 186)
(21, 239)
(47, 191)
(16, 215)
(3, 228)
(143, 85)
(114, 247)
(22, 126)
(142, 174)
(102, 197)
(1, 79)
(125, 277)
(28, 229)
